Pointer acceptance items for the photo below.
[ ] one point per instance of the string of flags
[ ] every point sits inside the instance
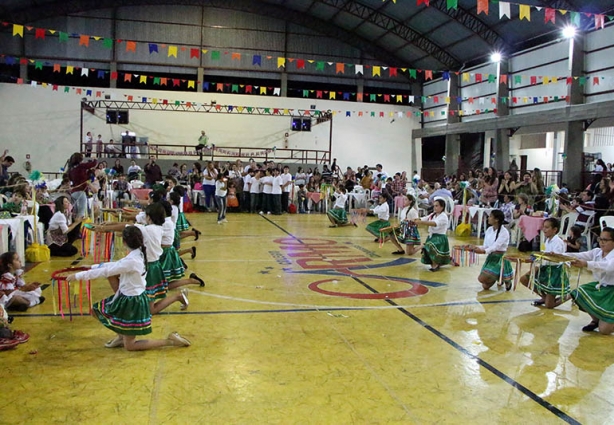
(525, 11)
(216, 54)
(482, 105)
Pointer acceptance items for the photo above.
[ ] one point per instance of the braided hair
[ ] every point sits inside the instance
(500, 217)
(133, 238)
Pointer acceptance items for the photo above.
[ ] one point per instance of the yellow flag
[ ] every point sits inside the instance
(546, 80)
(332, 95)
(466, 77)
(70, 69)
(143, 79)
(525, 12)
(18, 30)
(281, 62)
(262, 90)
(190, 84)
(377, 71)
(172, 51)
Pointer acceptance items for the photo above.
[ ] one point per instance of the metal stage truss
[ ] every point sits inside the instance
(300, 155)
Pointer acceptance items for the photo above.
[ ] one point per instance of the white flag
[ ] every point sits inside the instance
(359, 69)
(504, 9)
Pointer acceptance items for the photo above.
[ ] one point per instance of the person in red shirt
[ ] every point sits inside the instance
(79, 174)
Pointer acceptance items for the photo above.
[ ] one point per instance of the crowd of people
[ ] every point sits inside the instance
(142, 280)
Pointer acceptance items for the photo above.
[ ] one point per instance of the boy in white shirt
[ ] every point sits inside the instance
(267, 188)
(254, 192)
(276, 192)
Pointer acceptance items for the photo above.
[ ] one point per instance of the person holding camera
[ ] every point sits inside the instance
(153, 173)
(221, 190)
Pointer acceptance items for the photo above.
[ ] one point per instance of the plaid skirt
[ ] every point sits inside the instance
(598, 302)
(436, 250)
(408, 234)
(125, 315)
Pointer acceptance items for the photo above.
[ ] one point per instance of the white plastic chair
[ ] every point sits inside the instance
(3, 199)
(606, 221)
(587, 231)
(567, 221)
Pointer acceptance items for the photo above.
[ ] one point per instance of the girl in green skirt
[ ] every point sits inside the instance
(383, 215)
(127, 312)
(496, 240)
(436, 251)
(551, 280)
(157, 285)
(597, 298)
(180, 230)
(337, 214)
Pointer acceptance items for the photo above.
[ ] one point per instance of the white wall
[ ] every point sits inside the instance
(45, 124)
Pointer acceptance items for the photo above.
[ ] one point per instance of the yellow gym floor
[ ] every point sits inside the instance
(300, 323)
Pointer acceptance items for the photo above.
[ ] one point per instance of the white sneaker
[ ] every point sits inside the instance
(261, 213)
(219, 222)
(178, 340)
(268, 213)
(225, 221)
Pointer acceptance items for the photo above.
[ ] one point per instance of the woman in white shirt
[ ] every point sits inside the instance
(496, 241)
(337, 214)
(61, 233)
(127, 312)
(436, 250)
(597, 298)
(209, 178)
(221, 190)
(383, 215)
(551, 281)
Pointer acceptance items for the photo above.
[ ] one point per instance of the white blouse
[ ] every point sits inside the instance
(174, 214)
(382, 211)
(340, 200)
(441, 221)
(168, 232)
(492, 243)
(602, 268)
(131, 271)
(408, 213)
(59, 221)
(152, 238)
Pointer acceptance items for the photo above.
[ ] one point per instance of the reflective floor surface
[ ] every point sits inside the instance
(300, 323)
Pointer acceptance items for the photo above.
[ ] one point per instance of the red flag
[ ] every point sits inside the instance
(300, 64)
(55, 87)
(175, 82)
(248, 89)
(392, 71)
(533, 80)
(114, 75)
(550, 15)
(40, 33)
(595, 81)
(319, 94)
(194, 53)
(482, 7)
(386, 98)
(428, 75)
(426, 2)
(478, 78)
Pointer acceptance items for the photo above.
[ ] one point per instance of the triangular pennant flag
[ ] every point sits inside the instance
(504, 9)
(320, 66)
(257, 60)
(62, 37)
(70, 69)
(340, 68)
(359, 69)
(194, 53)
(191, 84)
(550, 15)
(445, 76)
(143, 79)
(262, 90)
(84, 40)
(156, 81)
(38, 65)
(503, 79)
(130, 46)
(107, 43)
(392, 71)
(153, 48)
(163, 81)
(482, 7)
(524, 12)
(114, 75)
(18, 30)
(277, 91)
(40, 33)
(235, 56)
(377, 71)
(172, 51)
(452, 4)
(85, 72)
(332, 95)
(215, 55)
(281, 62)
(300, 64)
(595, 81)
(428, 75)
(127, 77)
(413, 74)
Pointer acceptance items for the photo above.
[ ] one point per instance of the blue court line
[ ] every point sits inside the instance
(550, 407)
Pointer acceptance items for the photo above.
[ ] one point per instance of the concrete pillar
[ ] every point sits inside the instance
(452, 153)
(416, 157)
(23, 72)
(200, 78)
(575, 92)
(112, 69)
(503, 90)
(284, 84)
(572, 161)
(502, 150)
(453, 94)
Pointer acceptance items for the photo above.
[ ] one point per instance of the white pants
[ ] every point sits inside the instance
(32, 296)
